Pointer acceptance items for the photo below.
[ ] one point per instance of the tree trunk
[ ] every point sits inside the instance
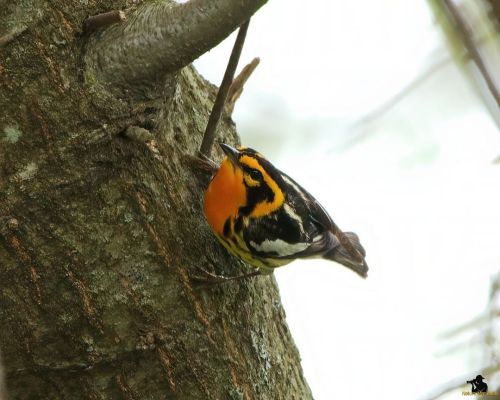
(100, 231)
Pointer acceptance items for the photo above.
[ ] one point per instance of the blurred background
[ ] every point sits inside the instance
(387, 112)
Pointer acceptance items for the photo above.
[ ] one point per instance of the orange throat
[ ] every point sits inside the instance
(225, 194)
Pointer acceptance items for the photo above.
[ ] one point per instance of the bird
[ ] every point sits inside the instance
(264, 217)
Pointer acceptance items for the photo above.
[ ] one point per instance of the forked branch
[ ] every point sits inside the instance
(162, 37)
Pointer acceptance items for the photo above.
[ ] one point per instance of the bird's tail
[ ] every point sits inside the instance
(339, 254)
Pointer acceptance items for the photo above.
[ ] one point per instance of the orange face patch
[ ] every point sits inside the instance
(225, 194)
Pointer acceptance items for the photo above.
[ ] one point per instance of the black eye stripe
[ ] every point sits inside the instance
(253, 173)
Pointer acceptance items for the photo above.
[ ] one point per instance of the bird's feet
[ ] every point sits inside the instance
(206, 278)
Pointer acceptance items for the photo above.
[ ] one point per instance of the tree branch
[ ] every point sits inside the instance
(160, 38)
(466, 36)
(220, 100)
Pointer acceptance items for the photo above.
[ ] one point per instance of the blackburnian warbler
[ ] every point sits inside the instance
(264, 217)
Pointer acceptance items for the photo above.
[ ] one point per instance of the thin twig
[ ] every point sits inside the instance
(236, 88)
(105, 19)
(468, 41)
(213, 121)
(405, 91)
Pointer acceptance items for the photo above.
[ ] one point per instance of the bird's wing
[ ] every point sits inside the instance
(280, 235)
(327, 239)
(301, 228)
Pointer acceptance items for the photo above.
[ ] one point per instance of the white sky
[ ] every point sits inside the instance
(419, 188)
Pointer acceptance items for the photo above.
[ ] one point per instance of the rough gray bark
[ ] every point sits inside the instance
(99, 233)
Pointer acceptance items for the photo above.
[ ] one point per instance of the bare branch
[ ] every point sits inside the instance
(220, 100)
(162, 37)
(101, 20)
(236, 88)
(468, 41)
(403, 93)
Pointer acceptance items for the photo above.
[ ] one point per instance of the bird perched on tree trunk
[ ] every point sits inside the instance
(264, 217)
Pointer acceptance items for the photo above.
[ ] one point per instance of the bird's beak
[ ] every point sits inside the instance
(231, 153)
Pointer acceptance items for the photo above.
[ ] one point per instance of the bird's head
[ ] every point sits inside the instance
(259, 179)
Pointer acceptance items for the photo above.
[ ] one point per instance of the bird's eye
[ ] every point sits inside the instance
(255, 174)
